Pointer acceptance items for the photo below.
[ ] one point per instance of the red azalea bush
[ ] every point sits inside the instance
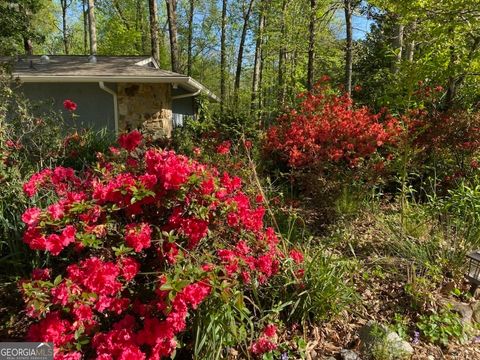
(446, 142)
(140, 241)
(327, 128)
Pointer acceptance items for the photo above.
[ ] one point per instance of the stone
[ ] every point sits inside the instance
(379, 341)
(476, 311)
(464, 310)
(349, 355)
(147, 107)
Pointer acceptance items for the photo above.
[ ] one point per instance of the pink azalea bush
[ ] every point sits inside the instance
(140, 241)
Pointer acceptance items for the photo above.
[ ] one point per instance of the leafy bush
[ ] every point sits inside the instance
(139, 241)
(327, 128)
(440, 328)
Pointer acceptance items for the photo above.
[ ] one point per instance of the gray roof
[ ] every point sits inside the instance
(65, 68)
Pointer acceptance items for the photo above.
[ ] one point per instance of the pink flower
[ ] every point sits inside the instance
(55, 211)
(31, 216)
(138, 236)
(262, 346)
(69, 105)
(297, 256)
(129, 268)
(131, 140)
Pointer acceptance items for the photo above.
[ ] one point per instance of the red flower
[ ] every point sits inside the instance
(31, 216)
(41, 274)
(51, 329)
(224, 147)
(69, 105)
(297, 256)
(270, 330)
(129, 268)
(131, 140)
(138, 236)
(262, 346)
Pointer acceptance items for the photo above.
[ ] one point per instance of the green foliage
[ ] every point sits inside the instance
(400, 326)
(447, 59)
(223, 324)
(15, 19)
(326, 288)
(442, 327)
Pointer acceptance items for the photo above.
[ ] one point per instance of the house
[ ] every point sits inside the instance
(119, 93)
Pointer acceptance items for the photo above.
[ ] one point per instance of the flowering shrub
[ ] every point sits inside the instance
(69, 105)
(327, 128)
(141, 240)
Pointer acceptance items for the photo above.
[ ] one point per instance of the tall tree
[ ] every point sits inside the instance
(398, 46)
(173, 32)
(85, 25)
(257, 68)
(191, 12)
(92, 27)
(223, 55)
(64, 5)
(154, 45)
(311, 44)
(282, 54)
(410, 50)
(348, 7)
(241, 47)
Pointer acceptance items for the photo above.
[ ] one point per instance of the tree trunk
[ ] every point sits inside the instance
(410, 50)
(28, 46)
(348, 46)
(64, 6)
(311, 44)
(454, 81)
(92, 27)
(172, 28)
(223, 55)
(241, 46)
(141, 17)
(190, 37)
(155, 49)
(258, 56)
(282, 57)
(398, 47)
(85, 26)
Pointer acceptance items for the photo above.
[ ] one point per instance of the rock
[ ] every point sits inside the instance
(401, 345)
(476, 311)
(379, 341)
(313, 355)
(464, 310)
(349, 355)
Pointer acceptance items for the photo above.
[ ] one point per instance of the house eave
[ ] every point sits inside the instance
(187, 82)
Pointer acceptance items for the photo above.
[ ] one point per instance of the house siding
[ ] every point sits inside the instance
(147, 107)
(95, 106)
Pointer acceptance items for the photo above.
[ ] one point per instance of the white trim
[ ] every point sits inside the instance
(187, 95)
(147, 61)
(115, 102)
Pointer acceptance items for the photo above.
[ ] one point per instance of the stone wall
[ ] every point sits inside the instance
(147, 107)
